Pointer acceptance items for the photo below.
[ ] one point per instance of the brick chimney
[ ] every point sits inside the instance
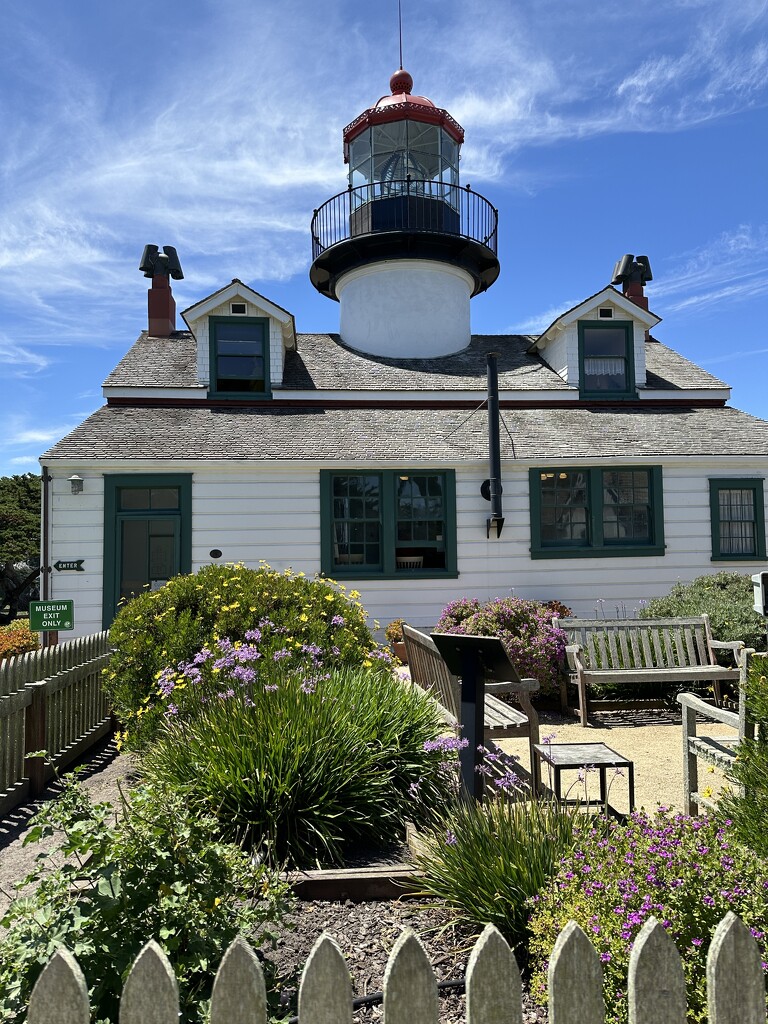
(632, 273)
(161, 305)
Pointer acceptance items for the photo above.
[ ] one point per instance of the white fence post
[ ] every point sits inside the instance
(735, 978)
(494, 992)
(325, 992)
(410, 989)
(575, 980)
(151, 993)
(60, 993)
(656, 984)
(239, 995)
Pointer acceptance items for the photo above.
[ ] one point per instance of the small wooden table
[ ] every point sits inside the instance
(561, 756)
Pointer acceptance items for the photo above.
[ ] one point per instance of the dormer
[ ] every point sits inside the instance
(599, 346)
(241, 340)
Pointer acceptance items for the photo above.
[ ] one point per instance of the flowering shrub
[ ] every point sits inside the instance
(685, 871)
(534, 645)
(159, 870)
(298, 760)
(726, 597)
(17, 638)
(168, 627)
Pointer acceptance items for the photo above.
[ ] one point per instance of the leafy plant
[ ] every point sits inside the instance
(17, 638)
(726, 597)
(169, 626)
(487, 860)
(299, 763)
(533, 644)
(160, 872)
(747, 807)
(394, 631)
(688, 872)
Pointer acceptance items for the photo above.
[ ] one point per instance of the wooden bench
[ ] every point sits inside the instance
(501, 720)
(603, 651)
(716, 750)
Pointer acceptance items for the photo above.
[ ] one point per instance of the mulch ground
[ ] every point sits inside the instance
(365, 932)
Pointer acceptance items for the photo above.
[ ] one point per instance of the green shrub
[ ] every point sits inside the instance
(487, 860)
(726, 597)
(525, 628)
(687, 872)
(158, 872)
(748, 810)
(17, 638)
(300, 763)
(168, 626)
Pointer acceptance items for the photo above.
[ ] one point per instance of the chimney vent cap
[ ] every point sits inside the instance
(166, 263)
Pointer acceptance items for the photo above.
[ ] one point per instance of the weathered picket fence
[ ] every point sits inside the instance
(655, 989)
(52, 700)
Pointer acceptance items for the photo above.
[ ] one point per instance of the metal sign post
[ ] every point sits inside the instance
(475, 660)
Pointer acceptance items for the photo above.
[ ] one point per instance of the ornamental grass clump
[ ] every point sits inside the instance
(487, 860)
(747, 804)
(687, 872)
(299, 762)
(534, 645)
(168, 627)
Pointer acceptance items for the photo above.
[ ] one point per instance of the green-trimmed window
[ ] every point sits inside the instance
(388, 523)
(738, 519)
(239, 354)
(147, 534)
(610, 511)
(606, 359)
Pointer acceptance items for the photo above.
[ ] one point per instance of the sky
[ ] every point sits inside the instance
(215, 126)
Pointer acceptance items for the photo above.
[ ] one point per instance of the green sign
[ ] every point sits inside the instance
(46, 615)
(73, 565)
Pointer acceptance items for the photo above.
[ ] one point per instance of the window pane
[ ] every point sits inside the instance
(356, 520)
(164, 497)
(627, 514)
(605, 359)
(240, 356)
(564, 508)
(737, 521)
(134, 498)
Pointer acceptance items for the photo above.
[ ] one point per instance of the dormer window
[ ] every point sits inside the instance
(239, 352)
(606, 359)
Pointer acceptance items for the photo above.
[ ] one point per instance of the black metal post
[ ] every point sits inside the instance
(494, 447)
(472, 719)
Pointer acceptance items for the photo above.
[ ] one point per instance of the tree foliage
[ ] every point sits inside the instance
(19, 542)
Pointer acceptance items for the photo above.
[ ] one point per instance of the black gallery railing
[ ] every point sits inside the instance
(404, 205)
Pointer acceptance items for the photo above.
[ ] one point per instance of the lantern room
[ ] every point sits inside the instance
(405, 247)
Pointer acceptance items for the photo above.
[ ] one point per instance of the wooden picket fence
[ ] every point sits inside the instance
(655, 988)
(51, 700)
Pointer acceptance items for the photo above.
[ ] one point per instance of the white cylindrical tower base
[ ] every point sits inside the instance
(405, 309)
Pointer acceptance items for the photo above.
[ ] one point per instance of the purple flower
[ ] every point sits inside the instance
(337, 620)
(450, 838)
(282, 653)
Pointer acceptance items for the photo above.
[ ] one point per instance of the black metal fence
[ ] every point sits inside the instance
(404, 205)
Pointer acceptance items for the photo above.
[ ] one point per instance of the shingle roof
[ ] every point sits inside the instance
(323, 363)
(158, 363)
(411, 435)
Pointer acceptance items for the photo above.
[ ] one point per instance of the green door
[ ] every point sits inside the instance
(147, 533)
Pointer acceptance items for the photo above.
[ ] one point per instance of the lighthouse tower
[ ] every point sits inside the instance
(405, 247)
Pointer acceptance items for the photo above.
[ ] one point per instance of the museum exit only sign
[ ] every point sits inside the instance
(47, 615)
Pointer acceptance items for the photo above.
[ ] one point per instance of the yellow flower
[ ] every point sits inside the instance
(303, 617)
(354, 594)
(329, 597)
(367, 664)
(707, 792)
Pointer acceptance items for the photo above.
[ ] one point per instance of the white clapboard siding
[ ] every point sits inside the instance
(655, 983)
(253, 512)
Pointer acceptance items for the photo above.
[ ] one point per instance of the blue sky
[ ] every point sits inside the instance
(596, 128)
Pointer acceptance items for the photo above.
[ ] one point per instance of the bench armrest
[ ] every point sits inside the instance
(572, 652)
(523, 686)
(690, 700)
(728, 645)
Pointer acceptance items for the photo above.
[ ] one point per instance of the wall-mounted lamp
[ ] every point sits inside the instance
(76, 483)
